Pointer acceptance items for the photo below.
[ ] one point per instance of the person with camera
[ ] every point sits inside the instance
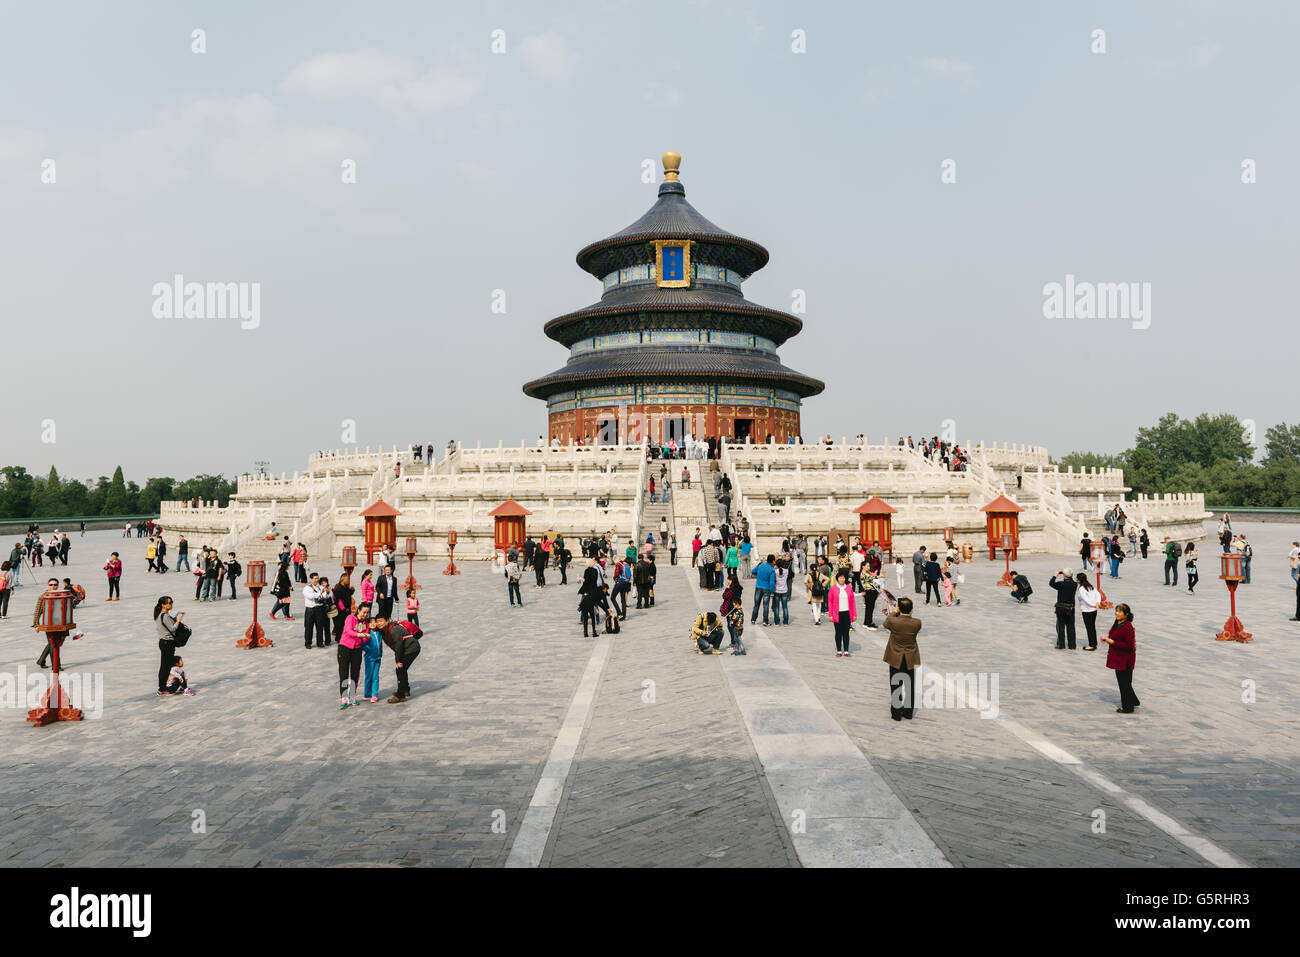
(114, 568)
(171, 632)
(1066, 587)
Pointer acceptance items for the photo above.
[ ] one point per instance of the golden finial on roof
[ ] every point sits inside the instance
(671, 162)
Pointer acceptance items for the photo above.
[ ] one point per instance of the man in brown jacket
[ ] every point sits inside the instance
(903, 656)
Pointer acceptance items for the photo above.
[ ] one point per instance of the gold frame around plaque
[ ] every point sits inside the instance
(685, 281)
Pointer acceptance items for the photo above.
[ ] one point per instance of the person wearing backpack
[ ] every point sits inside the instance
(404, 639)
(512, 574)
(1173, 552)
(1247, 553)
(1020, 587)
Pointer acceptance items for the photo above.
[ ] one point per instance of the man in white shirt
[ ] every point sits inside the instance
(313, 616)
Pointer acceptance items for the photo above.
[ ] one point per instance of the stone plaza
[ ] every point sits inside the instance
(526, 744)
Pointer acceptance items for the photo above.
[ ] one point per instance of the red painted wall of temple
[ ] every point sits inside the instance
(719, 420)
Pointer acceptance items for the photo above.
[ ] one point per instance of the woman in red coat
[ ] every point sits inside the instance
(1122, 656)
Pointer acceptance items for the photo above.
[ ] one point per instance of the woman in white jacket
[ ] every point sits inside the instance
(1088, 598)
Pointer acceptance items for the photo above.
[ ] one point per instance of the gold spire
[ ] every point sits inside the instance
(671, 162)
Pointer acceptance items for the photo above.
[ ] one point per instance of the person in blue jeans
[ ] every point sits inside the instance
(764, 583)
(182, 554)
(781, 593)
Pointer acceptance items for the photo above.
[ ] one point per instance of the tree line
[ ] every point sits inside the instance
(1211, 454)
(30, 496)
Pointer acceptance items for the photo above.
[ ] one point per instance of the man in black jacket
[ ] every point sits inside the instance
(385, 593)
(233, 571)
(404, 640)
(1065, 586)
(539, 564)
(933, 575)
(643, 577)
(1020, 587)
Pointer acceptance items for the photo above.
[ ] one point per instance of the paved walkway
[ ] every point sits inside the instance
(669, 758)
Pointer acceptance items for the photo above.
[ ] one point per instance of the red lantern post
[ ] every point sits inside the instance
(56, 622)
(949, 533)
(1232, 574)
(1008, 546)
(349, 559)
(451, 568)
(255, 581)
(1099, 556)
(410, 565)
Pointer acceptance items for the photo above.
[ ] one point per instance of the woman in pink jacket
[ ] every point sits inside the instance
(355, 632)
(367, 587)
(1122, 656)
(843, 609)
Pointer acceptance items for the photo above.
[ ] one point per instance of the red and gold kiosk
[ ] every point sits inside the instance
(509, 527)
(875, 524)
(381, 528)
(1003, 519)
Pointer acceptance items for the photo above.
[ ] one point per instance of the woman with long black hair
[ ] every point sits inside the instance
(1088, 598)
(1189, 562)
(167, 622)
(283, 592)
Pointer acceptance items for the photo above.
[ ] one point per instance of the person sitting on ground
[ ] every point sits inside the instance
(706, 633)
(1020, 587)
(177, 682)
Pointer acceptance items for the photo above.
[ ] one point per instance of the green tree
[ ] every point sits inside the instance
(1282, 443)
(156, 490)
(1089, 460)
(1142, 471)
(209, 488)
(76, 498)
(16, 492)
(1207, 440)
(47, 497)
(97, 496)
(116, 501)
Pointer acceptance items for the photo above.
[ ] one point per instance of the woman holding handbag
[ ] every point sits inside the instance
(170, 635)
(283, 592)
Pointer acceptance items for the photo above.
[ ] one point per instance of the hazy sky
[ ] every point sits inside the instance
(478, 171)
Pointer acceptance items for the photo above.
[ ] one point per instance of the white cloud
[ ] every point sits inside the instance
(393, 82)
(549, 56)
(940, 66)
(662, 95)
(375, 224)
(241, 140)
(475, 172)
(20, 145)
(1204, 53)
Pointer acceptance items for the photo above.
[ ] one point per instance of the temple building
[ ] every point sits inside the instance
(673, 343)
